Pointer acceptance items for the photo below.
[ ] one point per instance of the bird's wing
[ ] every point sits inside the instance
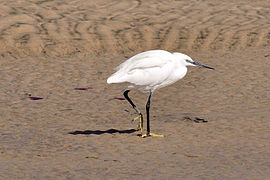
(145, 60)
(145, 69)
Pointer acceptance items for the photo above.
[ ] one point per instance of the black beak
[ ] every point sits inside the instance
(202, 65)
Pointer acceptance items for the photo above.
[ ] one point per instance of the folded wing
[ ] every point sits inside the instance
(144, 69)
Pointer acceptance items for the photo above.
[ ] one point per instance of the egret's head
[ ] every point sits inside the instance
(187, 61)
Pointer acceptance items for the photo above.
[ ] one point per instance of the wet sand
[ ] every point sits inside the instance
(60, 120)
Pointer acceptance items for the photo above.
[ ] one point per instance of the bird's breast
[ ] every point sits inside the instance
(174, 76)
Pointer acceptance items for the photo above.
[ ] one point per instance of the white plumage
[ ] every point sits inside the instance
(149, 71)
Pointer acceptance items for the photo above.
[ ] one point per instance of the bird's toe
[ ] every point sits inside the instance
(151, 135)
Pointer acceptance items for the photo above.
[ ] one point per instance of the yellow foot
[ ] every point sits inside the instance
(140, 125)
(152, 134)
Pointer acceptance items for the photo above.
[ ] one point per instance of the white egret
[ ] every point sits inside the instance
(149, 71)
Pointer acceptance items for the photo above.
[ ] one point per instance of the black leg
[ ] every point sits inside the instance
(127, 98)
(140, 126)
(147, 112)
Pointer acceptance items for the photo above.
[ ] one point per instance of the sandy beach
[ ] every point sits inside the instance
(59, 119)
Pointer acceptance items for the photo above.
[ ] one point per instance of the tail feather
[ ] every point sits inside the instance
(115, 78)
(110, 80)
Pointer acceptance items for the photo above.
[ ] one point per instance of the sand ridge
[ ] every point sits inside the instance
(69, 28)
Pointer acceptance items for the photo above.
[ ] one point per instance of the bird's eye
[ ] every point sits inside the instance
(188, 61)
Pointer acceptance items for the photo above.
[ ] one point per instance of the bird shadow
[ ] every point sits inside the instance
(100, 132)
